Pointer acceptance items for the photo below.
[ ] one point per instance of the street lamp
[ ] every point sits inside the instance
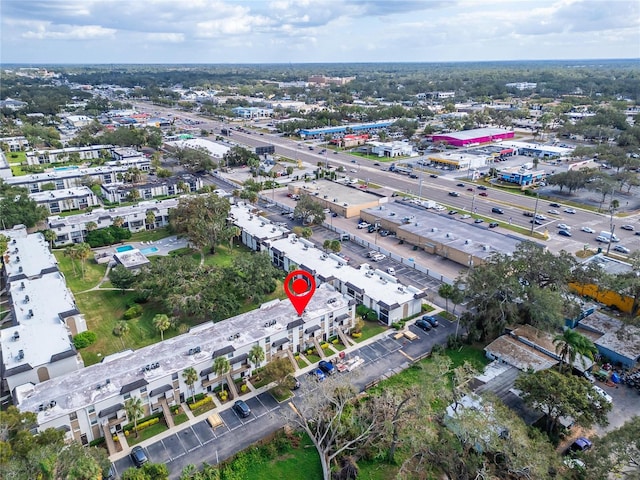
(535, 212)
(473, 202)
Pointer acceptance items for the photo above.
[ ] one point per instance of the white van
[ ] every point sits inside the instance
(345, 237)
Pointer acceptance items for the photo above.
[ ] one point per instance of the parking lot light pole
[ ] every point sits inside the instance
(535, 212)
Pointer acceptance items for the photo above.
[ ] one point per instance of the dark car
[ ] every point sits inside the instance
(327, 367)
(630, 228)
(478, 220)
(494, 225)
(581, 444)
(423, 324)
(460, 185)
(138, 457)
(413, 175)
(564, 233)
(241, 408)
(481, 187)
(295, 384)
(536, 221)
(433, 175)
(554, 205)
(454, 194)
(319, 374)
(432, 320)
(377, 164)
(497, 210)
(484, 194)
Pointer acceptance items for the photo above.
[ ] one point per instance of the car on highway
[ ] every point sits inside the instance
(465, 216)
(483, 194)
(433, 175)
(482, 187)
(432, 320)
(554, 212)
(564, 226)
(494, 225)
(423, 324)
(452, 212)
(536, 221)
(497, 210)
(569, 210)
(564, 233)
(630, 228)
(621, 249)
(376, 164)
(353, 170)
(588, 230)
(241, 408)
(327, 367)
(470, 189)
(554, 205)
(478, 220)
(540, 217)
(454, 194)
(138, 456)
(460, 185)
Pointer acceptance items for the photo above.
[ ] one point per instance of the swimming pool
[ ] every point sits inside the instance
(149, 250)
(62, 169)
(125, 248)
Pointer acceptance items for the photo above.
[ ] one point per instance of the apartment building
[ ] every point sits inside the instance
(37, 345)
(57, 201)
(89, 404)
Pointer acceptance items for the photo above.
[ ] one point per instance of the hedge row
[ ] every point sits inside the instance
(196, 398)
(204, 401)
(129, 426)
(143, 425)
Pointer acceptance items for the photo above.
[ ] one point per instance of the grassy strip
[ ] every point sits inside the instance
(370, 330)
(203, 408)
(147, 433)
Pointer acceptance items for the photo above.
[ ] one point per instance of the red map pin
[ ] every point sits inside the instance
(300, 287)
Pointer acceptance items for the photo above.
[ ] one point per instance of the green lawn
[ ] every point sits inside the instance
(93, 272)
(16, 158)
(180, 418)
(150, 235)
(204, 408)
(298, 463)
(370, 330)
(474, 354)
(146, 433)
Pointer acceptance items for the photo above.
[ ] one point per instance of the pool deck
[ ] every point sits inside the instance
(164, 246)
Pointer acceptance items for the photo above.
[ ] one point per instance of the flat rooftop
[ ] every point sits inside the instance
(97, 214)
(62, 174)
(27, 255)
(376, 284)
(616, 336)
(476, 239)
(338, 193)
(51, 195)
(131, 258)
(215, 149)
(561, 151)
(88, 385)
(41, 332)
(610, 265)
(255, 225)
(519, 355)
(475, 133)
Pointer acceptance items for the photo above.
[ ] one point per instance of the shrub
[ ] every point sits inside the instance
(324, 346)
(335, 342)
(199, 403)
(196, 398)
(356, 334)
(133, 312)
(223, 395)
(244, 389)
(84, 339)
(398, 325)
(96, 442)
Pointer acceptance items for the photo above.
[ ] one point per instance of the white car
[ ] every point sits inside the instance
(564, 226)
(588, 230)
(569, 210)
(362, 225)
(603, 394)
(391, 271)
(554, 212)
(621, 249)
(540, 217)
(465, 216)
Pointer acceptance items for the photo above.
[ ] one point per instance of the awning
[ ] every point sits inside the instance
(342, 318)
(354, 288)
(206, 371)
(239, 358)
(64, 428)
(223, 351)
(295, 323)
(129, 387)
(160, 390)
(112, 409)
(312, 329)
(280, 341)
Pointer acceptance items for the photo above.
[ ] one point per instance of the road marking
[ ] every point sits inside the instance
(403, 353)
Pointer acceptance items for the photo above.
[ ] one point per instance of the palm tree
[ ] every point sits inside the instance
(91, 226)
(83, 250)
(50, 236)
(256, 355)
(118, 222)
(569, 344)
(190, 378)
(446, 292)
(72, 253)
(134, 410)
(151, 219)
(221, 366)
(162, 323)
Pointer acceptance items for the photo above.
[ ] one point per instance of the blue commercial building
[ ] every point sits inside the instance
(359, 127)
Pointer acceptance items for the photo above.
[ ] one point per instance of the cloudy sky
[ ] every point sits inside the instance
(283, 31)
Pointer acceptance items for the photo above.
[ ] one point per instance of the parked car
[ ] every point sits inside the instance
(296, 384)
(241, 408)
(327, 367)
(554, 212)
(494, 225)
(581, 444)
(588, 230)
(483, 194)
(423, 324)
(478, 220)
(452, 212)
(628, 227)
(138, 457)
(603, 394)
(362, 225)
(497, 210)
(564, 233)
(319, 374)
(621, 249)
(540, 217)
(432, 320)
(391, 271)
(569, 210)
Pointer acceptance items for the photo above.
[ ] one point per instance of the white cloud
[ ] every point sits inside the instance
(68, 32)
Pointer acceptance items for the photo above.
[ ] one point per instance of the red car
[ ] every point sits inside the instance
(483, 194)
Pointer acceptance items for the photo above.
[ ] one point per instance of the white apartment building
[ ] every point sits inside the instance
(15, 144)
(89, 404)
(57, 155)
(56, 201)
(37, 346)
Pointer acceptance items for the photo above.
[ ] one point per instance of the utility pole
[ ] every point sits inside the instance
(535, 212)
